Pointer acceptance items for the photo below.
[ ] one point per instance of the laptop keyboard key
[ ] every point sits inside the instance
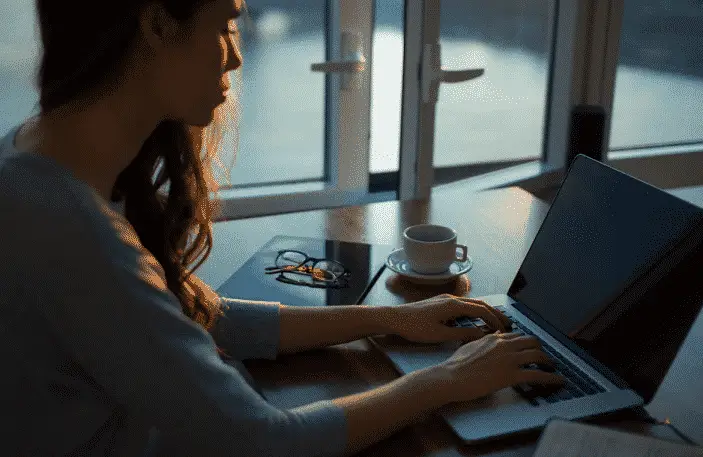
(572, 372)
(564, 394)
(583, 385)
(573, 390)
(577, 383)
(528, 393)
(546, 391)
(570, 384)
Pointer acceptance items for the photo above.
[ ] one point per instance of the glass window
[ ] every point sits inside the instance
(386, 85)
(282, 126)
(19, 58)
(500, 116)
(283, 103)
(659, 81)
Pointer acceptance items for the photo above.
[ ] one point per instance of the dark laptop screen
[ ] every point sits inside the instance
(605, 230)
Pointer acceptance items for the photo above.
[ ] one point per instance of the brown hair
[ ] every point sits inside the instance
(166, 187)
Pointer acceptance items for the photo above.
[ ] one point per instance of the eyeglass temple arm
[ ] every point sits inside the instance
(288, 269)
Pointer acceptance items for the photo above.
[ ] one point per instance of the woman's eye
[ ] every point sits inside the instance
(231, 29)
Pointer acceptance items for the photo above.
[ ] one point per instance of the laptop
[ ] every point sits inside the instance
(609, 285)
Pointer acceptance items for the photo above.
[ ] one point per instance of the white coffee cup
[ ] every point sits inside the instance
(431, 249)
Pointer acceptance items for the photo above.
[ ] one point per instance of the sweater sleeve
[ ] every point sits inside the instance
(248, 329)
(111, 310)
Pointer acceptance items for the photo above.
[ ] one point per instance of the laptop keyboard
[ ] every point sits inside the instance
(577, 383)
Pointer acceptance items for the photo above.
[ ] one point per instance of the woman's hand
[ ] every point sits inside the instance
(492, 363)
(425, 321)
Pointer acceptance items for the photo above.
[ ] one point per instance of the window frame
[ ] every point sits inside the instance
(574, 61)
(586, 41)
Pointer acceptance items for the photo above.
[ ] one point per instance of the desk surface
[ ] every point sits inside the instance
(497, 226)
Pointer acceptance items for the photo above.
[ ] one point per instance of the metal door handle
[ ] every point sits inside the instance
(353, 61)
(457, 76)
(341, 66)
(433, 74)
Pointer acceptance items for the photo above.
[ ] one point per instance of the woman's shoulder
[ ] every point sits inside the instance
(45, 208)
(29, 189)
(40, 201)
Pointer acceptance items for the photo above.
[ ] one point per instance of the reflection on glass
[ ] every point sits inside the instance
(386, 86)
(659, 82)
(499, 116)
(282, 127)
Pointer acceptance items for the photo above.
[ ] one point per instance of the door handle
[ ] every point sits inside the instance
(353, 59)
(340, 66)
(433, 74)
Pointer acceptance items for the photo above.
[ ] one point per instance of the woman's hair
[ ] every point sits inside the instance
(166, 188)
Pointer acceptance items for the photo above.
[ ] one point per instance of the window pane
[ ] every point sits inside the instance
(659, 83)
(19, 57)
(386, 85)
(499, 116)
(282, 126)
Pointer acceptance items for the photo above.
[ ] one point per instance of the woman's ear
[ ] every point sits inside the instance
(157, 26)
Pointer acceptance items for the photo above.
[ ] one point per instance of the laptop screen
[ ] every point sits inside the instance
(595, 271)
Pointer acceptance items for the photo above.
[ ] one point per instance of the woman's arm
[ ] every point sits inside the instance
(126, 329)
(109, 308)
(376, 414)
(299, 327)
(305, 328)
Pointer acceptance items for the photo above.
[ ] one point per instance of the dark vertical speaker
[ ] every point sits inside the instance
(586, 132)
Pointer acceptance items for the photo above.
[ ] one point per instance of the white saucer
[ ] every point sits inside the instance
(398, 262)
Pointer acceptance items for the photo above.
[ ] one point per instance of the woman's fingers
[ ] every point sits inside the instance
(482, 311)
(531, 356)
(503, 322)
(521, 343)
(501, 317)
(472, 309)
(471, 334)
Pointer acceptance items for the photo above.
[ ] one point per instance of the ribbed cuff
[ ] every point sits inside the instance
(249, 329)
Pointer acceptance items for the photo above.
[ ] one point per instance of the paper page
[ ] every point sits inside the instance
(573, 439)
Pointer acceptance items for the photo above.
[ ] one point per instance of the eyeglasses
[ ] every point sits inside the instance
(292, 268)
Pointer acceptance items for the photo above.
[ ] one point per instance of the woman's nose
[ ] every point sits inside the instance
(234, 56)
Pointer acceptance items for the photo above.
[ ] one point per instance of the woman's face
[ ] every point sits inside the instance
(193, 74)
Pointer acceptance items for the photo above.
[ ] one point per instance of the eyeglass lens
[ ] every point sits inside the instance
(322, 270)
(290, 258)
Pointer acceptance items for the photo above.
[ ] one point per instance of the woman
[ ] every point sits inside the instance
(109, 336)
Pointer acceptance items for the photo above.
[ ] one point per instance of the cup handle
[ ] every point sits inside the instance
(464, 253)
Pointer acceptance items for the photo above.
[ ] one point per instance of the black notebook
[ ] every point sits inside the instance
(364, 261)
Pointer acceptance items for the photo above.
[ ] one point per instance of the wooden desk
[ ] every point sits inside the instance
(498, 226)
